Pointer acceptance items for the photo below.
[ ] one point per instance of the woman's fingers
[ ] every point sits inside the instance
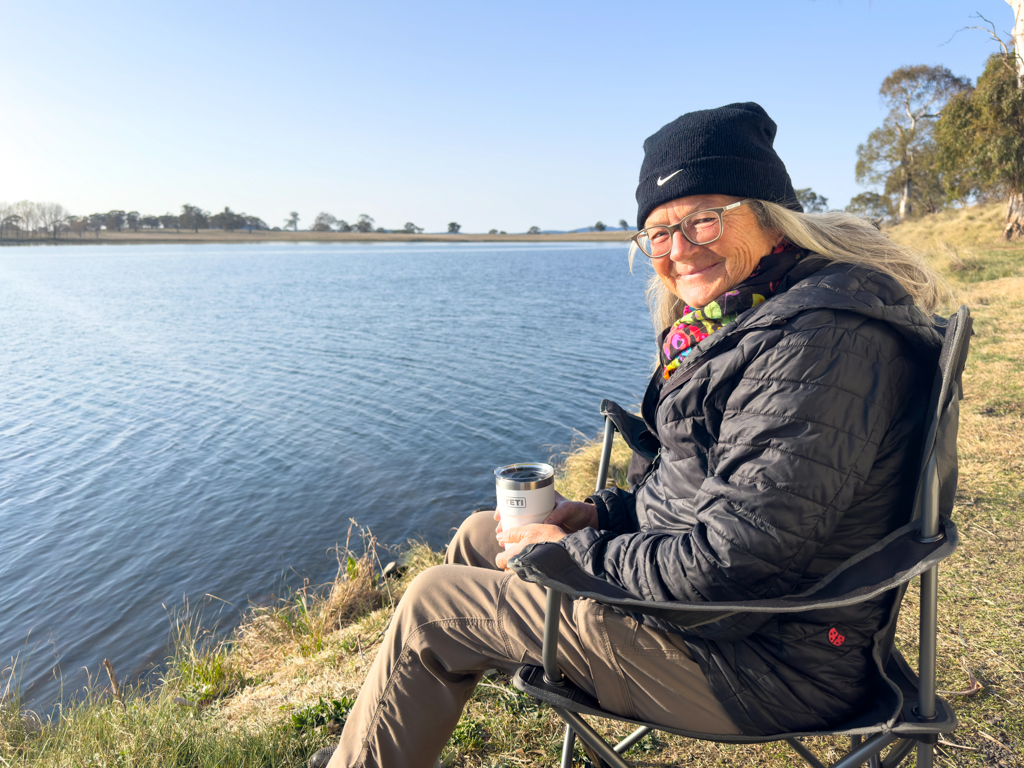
(519, 537)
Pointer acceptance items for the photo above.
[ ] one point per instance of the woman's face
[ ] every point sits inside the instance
(699, 273)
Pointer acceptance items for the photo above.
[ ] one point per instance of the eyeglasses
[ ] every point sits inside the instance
(700, 228)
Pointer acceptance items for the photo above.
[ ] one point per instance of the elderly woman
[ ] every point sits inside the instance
(795, 364)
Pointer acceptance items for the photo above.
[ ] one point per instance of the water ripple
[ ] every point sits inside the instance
(189, 420)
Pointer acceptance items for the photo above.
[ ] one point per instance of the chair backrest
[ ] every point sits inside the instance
(944, 414)
(937, 480)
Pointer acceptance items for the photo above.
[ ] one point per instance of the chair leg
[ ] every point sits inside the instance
(925, 755)
(568, 747)
(899, 751)
(591, 738)
(872, 746)
(854, 743)
(633, 738)
(805, 753)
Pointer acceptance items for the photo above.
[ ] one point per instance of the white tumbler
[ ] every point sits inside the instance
(526, 494)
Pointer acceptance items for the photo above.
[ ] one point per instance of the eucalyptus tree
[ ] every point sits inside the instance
(981, 140)
(872, 206)
(78, 224)
(96, 222)
(228, 220)
(454, 227)
(812, 201)
(900, 155)
(9, 221)
(292, 221)
(193, 217)
(364, 223)
(324, 222)
(114, 221)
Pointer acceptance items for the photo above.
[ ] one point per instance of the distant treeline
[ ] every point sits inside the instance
(52, 220)
(27, 219)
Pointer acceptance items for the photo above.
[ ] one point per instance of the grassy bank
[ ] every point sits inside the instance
(165, 237)
(266, 695)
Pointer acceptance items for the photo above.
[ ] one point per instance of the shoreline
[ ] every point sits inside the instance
(217, 236)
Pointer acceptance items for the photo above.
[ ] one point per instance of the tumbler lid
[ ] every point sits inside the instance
(524, 477)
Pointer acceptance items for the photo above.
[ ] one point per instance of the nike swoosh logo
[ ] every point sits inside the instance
(662, 181)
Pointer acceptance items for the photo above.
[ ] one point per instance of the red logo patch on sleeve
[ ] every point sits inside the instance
(835, 638)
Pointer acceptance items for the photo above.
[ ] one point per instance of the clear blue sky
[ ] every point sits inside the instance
(500, 115)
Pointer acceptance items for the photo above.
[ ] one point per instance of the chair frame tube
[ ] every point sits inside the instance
(871, 747)
(606, 454)
(549, 651)
(568, 747)
(929, 609)
(809, 757)
(592, 738)
(633, 738)
(898, 752)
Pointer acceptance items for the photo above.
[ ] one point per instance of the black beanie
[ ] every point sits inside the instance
(724, 151)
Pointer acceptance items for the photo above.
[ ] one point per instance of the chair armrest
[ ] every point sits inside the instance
(894, 560)
(633, 429)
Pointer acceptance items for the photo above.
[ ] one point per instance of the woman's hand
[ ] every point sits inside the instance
(570, 516)
(519, 537)
(567, 517)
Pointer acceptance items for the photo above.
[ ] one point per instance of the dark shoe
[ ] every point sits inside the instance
(323, 757)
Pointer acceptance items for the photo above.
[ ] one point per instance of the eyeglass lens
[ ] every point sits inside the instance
(699, 228)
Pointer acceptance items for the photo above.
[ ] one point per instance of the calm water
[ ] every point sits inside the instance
(181, 421)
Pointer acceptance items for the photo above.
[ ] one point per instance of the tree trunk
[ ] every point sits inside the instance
(1014, 228)
(905, 207)
(1018, 37)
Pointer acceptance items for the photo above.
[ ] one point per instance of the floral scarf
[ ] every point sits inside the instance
(697, 323)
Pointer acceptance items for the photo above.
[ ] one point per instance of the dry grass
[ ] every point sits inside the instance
(321, 642)
(976, 226)
(576, 477)
(965, 245)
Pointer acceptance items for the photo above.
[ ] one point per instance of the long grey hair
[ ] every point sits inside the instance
(839, 237)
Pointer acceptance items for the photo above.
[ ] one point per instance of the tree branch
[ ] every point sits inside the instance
(991, 30)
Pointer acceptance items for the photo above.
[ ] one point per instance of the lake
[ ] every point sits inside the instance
(184, 421)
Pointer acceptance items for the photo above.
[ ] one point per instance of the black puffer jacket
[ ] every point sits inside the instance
(789, 442)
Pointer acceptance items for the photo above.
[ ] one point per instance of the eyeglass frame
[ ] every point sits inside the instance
(678, 227)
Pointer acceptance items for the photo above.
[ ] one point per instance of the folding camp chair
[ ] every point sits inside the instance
(907, 713)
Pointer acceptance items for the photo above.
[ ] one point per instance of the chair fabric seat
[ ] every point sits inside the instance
(530, 679)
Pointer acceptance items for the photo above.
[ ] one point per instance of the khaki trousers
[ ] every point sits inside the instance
(455, 622)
